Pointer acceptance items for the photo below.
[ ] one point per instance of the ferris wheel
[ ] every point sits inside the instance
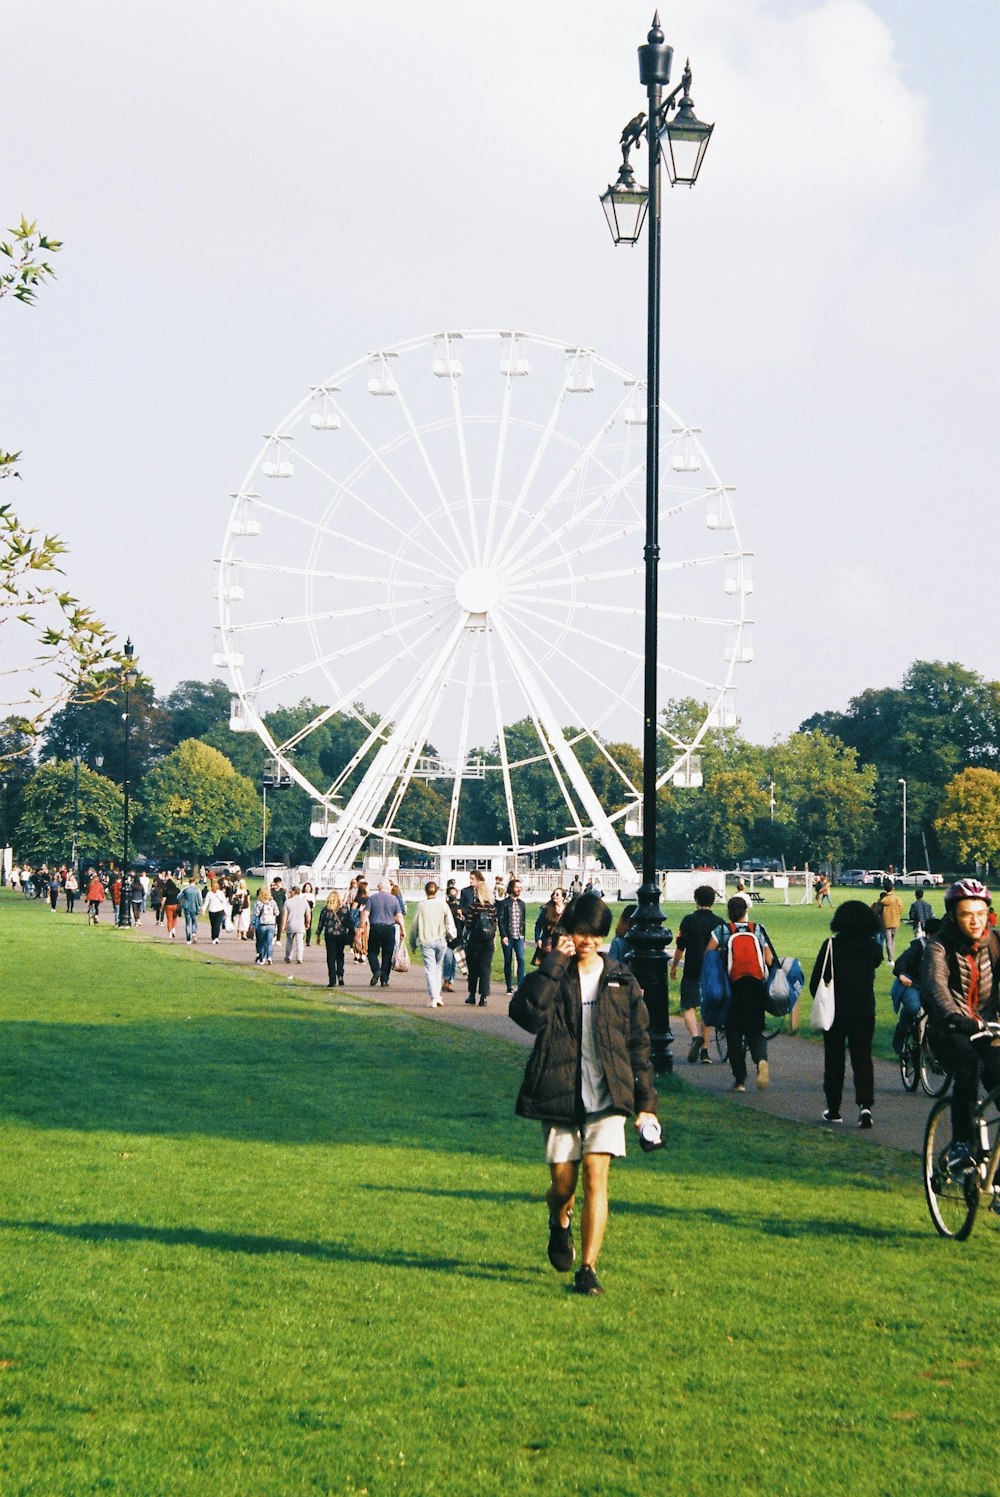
(444, 541)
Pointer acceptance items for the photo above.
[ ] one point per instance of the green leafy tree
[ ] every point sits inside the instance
(45, 829)
(823, 798)
(193, 709)
(968, 822)
(62, 650)
(194, 804)
(95, 730)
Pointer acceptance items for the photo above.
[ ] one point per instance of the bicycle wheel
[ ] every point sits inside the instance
(909, 1068)
(721, 1043)
(934, 1078)
(952, 1200)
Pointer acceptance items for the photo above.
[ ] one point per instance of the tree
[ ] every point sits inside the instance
(95, 729)
(65, 652)
(823, 798)
(193, 709)
(194, 804)
(45, 830)
(969, 820)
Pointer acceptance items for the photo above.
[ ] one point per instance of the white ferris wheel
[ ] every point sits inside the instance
(447, 537)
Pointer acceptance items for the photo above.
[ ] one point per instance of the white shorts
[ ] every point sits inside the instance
(603, 1135)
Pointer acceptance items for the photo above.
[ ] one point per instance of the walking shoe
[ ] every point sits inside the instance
(374, 981)
(562, 1253)
(510, 992)
(763, 1076)
(447, 987)
(831, 1115)
(470, 1002)
(739, 1086)
(694, 1050)
(482, 1003)
(704, 1058)
(587, 1282)
(864, 1117)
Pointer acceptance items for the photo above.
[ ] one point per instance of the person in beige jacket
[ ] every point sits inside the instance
(433, 927)
(890, 913)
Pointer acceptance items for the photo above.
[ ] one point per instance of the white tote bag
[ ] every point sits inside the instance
(824, 1006)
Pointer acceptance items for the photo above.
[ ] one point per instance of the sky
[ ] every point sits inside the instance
(251, 196)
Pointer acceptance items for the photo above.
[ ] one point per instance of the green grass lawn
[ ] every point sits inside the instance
(252, 1242)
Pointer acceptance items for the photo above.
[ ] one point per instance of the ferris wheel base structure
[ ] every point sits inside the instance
(438, 553)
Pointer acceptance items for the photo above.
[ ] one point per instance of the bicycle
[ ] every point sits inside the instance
(956, 1190)
(918, 1065)
(773, 1026)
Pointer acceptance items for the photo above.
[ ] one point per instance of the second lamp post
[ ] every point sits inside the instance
(675, 137)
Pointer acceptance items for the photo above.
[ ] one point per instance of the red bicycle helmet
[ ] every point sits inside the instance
(966, 888)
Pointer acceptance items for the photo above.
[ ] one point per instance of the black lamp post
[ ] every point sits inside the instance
(124, 901)
(674, 133)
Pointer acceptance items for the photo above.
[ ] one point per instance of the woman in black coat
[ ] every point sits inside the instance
(856, 954)
(589, 1069)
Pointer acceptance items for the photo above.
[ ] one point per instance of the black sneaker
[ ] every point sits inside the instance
(831, 1115)
(562, 1253)
(693, 1051)
(958, 1159)
(587, 1282)
(864, 1117)
(704, 1058)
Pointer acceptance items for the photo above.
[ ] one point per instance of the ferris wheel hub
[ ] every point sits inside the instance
(478, 590)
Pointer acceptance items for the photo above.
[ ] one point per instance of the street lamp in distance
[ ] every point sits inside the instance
(128, 681)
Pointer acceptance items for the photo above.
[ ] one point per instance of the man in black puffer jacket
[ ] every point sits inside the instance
(590, 1068)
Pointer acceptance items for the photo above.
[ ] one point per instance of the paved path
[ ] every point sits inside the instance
(796, 1061)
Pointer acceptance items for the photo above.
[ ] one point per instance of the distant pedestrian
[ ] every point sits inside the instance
(215, 907)
(920, 912)
(190, 907)
(72, 890)
(853, 955)
(295, 920)
(94, 896)
(310, 894)
(335, 929)
(265, 925)
(693, 936)
(748, 956)
(890, 915)
(480, 943)
(547, 924)
(512, 918)
(433, 927)
(385, 919)
(171, 904)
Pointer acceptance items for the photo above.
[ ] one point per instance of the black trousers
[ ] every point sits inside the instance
(334, 957)
(967, 1062)
(216, 919)
(854, 1031)
(745, 1025)
(381, 945)
(479, 957)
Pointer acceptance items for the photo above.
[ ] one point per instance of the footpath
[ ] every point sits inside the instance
(796, 1061)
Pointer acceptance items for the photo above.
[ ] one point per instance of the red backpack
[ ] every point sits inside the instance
(744, 953)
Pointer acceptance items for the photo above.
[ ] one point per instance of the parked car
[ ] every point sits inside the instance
(917, 877)
(873, 876)
(852, 878)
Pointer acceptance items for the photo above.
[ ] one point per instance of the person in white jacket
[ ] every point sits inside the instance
(433, 927)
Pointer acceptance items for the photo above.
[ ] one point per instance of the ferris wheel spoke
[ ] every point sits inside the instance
(557, 493)
(421, 447)
(380, 513)
(577, 580)
(532, 471)
(560, 554)
(463, 739)
(617, 649)
(284, 621)
(351, 538)
(502, 746)
(508, 392)
(281, 569)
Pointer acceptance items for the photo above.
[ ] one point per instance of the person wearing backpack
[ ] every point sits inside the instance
(480, 938)
(747, 956)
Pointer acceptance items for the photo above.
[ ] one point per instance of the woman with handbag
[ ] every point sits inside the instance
(480, 943)
(850, 959)
(547, 925)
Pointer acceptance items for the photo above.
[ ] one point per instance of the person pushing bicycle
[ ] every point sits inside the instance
(960, 988)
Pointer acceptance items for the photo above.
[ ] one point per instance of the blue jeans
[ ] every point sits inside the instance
(190, 925)
(514, 947)
(265, 942)
(448, 970)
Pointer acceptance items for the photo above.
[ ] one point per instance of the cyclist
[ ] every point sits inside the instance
(907, 970)
(960, 987)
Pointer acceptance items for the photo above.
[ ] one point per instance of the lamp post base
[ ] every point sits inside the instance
(647, 939)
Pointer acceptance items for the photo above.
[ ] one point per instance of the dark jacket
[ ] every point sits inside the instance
(855, 959)
(547, 1005)
(945, 975)
(503, 916)
(909, 964)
